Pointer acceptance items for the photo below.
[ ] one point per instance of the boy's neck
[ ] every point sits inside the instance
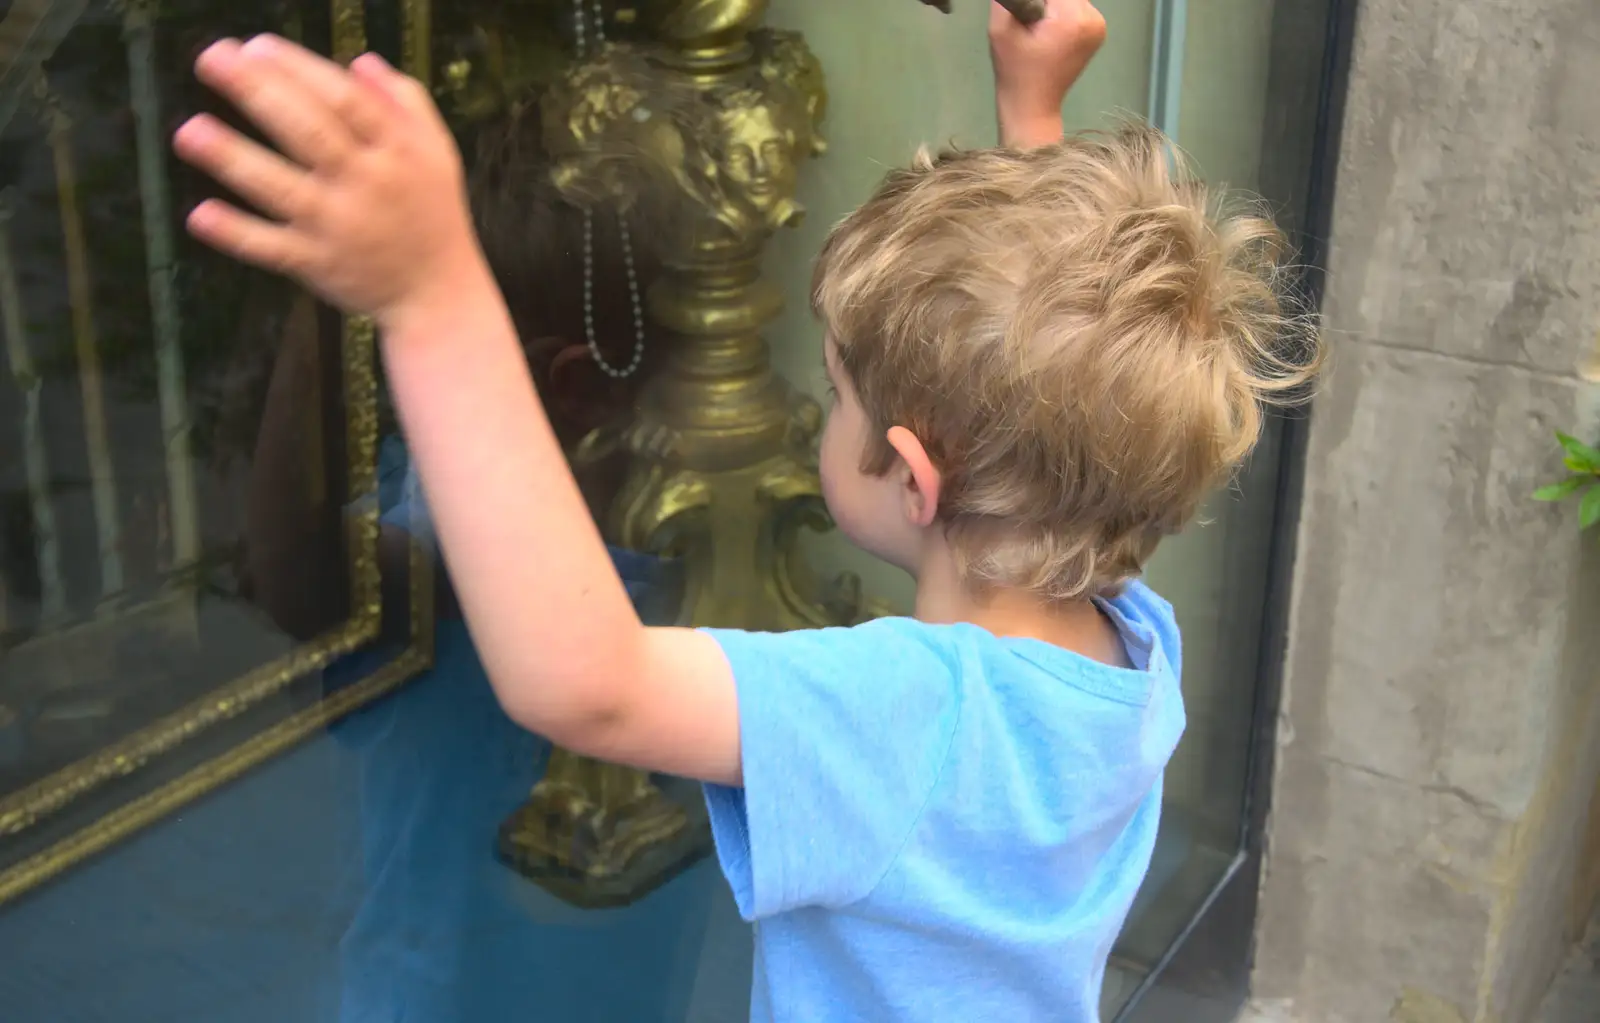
(1080, 626)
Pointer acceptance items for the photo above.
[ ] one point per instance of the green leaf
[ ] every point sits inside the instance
(1563, 490)
(1580, 456)
(1589, 510)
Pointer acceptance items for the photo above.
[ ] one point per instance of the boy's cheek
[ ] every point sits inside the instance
(843, 500)
(831, 487)
(854, 500)
(859, 512)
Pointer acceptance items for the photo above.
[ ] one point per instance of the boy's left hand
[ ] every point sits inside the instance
(367, 200)
(1035, 65)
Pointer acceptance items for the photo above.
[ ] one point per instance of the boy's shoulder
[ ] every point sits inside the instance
(926, 712)
(890, 636)
(915, 652)
(891, 641)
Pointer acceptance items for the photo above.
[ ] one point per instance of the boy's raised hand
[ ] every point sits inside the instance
(1035, 65)
(365, 200)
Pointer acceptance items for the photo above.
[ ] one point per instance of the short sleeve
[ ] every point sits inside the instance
(1140, 603)
(843, 735)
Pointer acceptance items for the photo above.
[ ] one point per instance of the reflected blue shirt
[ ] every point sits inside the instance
(939, 824)
(443, 931)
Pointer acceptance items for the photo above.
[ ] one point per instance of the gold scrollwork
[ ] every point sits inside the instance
(596, 835)
(658, 500)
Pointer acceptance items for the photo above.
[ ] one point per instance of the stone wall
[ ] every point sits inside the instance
(1440, 737)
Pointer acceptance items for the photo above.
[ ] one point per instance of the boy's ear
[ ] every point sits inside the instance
(922, 480)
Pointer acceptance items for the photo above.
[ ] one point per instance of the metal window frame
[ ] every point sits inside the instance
(1166, 65)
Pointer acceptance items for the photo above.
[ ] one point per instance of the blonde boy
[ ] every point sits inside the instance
(1044, 356)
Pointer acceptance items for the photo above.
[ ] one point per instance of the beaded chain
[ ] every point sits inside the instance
(580, 22)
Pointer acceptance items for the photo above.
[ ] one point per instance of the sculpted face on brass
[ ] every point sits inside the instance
(759, 137)
(622, 127)
(757, 134)
(755, 163)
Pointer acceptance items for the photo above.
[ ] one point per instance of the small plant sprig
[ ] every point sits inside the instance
(1583, 462)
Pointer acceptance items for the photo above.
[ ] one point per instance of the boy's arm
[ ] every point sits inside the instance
(1035, 65)
(369, 210)
(552, 621)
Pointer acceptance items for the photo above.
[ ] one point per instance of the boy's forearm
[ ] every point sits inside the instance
(552, 622)
(1025, 127)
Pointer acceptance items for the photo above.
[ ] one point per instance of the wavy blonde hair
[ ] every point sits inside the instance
(1082, 336)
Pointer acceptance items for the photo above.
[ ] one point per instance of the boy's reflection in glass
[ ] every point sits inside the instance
(443, 930)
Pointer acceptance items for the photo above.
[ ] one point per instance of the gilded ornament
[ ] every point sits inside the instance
(705, 134)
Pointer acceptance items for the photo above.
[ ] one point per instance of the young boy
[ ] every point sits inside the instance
(1044, 356)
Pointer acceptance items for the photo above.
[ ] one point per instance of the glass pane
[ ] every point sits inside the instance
(194, 580)
(1215, 573)
(250, 766)
(1251, 86)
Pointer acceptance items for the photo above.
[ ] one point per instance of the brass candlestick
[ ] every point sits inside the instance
(708, 128)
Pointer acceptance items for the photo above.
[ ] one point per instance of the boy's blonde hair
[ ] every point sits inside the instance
(1080, 336)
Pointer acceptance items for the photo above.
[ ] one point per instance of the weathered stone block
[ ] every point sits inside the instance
(1374, 886)
(1468, 217)
(1441, 724)
(1432, 603)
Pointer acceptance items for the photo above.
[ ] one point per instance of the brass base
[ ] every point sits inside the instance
(596, 848)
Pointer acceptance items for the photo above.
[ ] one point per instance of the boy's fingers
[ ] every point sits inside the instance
(339, 90)
(293, 116)
(250, 239)
(378, 74)
(253, 172)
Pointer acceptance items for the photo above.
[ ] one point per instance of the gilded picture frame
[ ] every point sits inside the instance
(135, 781)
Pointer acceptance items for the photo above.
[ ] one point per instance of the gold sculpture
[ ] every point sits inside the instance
(706, 130)
(722, 447)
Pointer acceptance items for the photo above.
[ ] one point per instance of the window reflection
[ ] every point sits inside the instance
(164, 512)
(200, 483)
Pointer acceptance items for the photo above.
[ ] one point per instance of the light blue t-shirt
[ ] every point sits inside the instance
(937, 824)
